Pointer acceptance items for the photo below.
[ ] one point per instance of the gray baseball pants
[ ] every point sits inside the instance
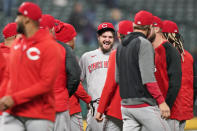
(176, 125)
(76, 122)
(15, 123)
(112, 124)
(0, 120)
(62, 121)
(92, 124)
(147, 117)
(109, 124)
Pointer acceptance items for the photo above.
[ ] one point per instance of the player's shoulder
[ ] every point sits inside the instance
(90, 53)
(144, 41)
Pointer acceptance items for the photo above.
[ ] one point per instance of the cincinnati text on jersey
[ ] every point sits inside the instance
(97, 65)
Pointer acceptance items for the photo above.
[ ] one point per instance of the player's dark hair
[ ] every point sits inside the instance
(18, 13)
(100, 32)
(177, 40)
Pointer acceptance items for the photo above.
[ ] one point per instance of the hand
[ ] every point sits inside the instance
(2, 106)
(165, 110)
(99, 117)
(6, 102)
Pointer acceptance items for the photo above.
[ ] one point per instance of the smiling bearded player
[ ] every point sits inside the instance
(94, 66)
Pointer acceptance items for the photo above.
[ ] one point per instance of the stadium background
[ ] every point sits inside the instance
(85, 15)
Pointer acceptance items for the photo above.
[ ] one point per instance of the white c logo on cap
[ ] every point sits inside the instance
(104, 26)
(33, 50)
(139, 22)
(25, 12)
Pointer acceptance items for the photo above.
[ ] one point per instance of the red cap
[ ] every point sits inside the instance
(170, 27)
(143, 18)
(47, 21)
(30, 10)
(65, 32)
(105, 25)
(125, 27)
(157, 22)
(10, 30)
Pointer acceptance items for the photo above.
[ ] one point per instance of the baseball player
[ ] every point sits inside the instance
(9, 34)
(110, 98)
(182, 108)
(139, 91)
(94, 66)
(62, 118)
(168, 65)
(34, 64)
(62, 87)
(67, 35)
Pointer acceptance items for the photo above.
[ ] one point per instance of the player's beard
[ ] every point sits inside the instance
(20, 28)
(103, 49)
(151, 37)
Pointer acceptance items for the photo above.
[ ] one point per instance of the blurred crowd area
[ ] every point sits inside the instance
(86, 15)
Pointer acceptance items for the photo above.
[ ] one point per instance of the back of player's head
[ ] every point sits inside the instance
(47, 21)
(125, 27)
(143, 20)
(171, 33)
(10, 30)
(157, 22)
(105, 26)
(64, 32)
(170, 27)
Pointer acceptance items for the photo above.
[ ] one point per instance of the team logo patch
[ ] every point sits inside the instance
(33, 53)
(104, 26)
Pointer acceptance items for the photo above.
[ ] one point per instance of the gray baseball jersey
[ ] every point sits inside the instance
(94, 66)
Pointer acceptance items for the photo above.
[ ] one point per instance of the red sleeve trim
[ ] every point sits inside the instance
(154, 90)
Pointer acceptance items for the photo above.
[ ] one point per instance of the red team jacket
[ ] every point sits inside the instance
(110, 101)
(183, 106)
(33, 67)
(5, 52)
(74, 100)
(2, 63)
(60, 90)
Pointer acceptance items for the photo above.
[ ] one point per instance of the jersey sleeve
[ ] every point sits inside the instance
(110, 85)
(146, 62)
(173, 60)
(82, 64)
(73, 71)
(82, 94)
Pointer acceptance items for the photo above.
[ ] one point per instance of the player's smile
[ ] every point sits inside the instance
(106, 44)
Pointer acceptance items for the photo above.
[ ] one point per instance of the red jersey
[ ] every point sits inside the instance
(74, 100)
(60, 90)
(110, 101)
(33, 67)
(183, 106)
(5, 52)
